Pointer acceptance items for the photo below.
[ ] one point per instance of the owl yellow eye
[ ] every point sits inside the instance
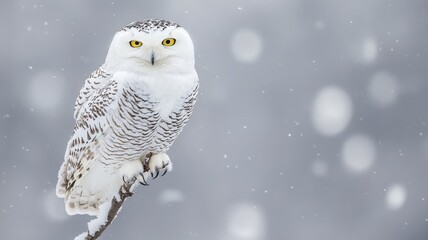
(168, 42)
(135, 43)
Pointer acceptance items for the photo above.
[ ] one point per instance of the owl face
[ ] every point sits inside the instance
(147, 47)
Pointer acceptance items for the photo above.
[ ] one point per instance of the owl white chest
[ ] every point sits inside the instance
(168, 90)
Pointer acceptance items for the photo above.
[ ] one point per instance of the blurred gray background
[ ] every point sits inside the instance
(311, 122)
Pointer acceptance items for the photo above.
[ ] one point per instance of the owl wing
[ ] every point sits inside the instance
(170, 128)
(97, 80)
(91, 126)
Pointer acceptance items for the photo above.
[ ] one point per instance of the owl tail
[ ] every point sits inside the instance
(90, 191)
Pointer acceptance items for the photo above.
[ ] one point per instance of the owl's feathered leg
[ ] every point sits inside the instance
(141, 179)
(159, 163)
(149, 165)
(135, 172)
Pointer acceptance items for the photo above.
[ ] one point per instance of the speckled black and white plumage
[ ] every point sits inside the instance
(128, 108)
(97, 80)
(150, 25)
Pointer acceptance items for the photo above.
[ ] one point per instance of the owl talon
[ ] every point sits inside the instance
(143, 180)
(159, 164)
(126, 179)
(144, 184)
(157, 174)
(164, 164)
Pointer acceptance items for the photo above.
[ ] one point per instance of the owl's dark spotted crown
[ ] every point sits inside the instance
(148, 25)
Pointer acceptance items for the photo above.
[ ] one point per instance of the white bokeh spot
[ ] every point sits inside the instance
(364, 50)
(331, 111)
(171, 196)
(246, 221)
(383, 89)
(358, 153)
(45, 91)
(246, 45)
(369, 50)
(395, 197)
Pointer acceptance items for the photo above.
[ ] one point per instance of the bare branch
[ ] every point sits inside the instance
(116, 205)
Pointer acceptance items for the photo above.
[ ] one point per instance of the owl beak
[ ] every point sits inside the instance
(152, 58)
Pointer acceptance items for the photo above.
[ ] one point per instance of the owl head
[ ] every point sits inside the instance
(151, 44)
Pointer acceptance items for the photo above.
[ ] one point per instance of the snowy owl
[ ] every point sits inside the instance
(128, 114)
